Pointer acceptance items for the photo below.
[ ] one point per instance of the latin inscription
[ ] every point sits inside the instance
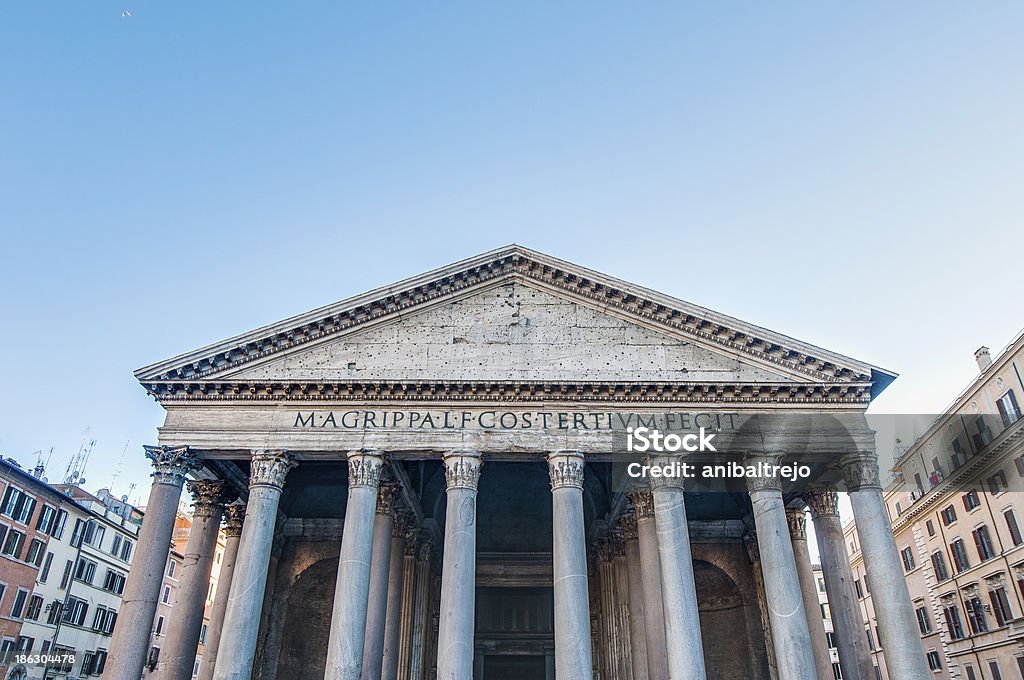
(509, 420)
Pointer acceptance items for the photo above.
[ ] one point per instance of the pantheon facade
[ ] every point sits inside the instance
(420, 482)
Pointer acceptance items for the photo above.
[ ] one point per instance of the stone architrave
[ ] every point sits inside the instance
(352, 589)
(847, 623)
(130, 643)
(267, 472)
(897, 622)
(234, 515)
(458, 568)
(178, 655)
(573, 660)
(797, 519)
(380, 575)
(778, 566)
(650, 568)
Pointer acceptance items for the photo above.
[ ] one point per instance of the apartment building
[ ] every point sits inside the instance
(826, 617)
(956, 504)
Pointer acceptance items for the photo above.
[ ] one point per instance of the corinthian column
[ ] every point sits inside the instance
(650, 568)
(458, 568)
(847, 622)
(897, 623)
(573, 659)
(232, 527)
(635, 597)
(380, 571)
(352, 590)
(394, 620)
(178, 656)
(782, 587)
(267, 471)
(679, 595)
(809, 588)
(130, 643)
(405, 633)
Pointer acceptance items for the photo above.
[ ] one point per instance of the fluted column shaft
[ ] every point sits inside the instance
(130, 643)
(809, 588)
(232, 526)
(847, 623)
(405, 634)
(458, 568)
(606, 601)
(178, 656)
(421, 612)
(897, 622)
(621, 586)
(249, 581)
(573, 654)
(650, 568)
(782, 587)
(635, 597)
(380, 574)
(682, 620)
(393, 618)
(352, 588)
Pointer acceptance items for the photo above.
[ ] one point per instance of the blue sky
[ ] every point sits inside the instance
(849, 175)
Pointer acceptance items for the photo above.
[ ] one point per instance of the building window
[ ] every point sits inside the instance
(948, 515)
(159, 625)
(997, 482)
(18, 606)
(166, 598)
(939, 566)
(983, 542)
(45, 573)
(58, 525)
(12, 498)
(202, 635)
(908, 559)
(971, 500)
(23, 513)
(934, 662)
(104, 620)
(114, 582)
(837, 673)
(976, 616)
(959, 455)
(68, 566)
(35, 608)
(953, 623)
(35, 552)
(76, 611)
(25, 644)
(1009, 412)
(923, 622)
(821, 585)
(871, 638)
(1000, 606)
(856, 586)
(826, 613)
(1011, 524)
(960, 560)
(993, 669)
(6, 649)
(171, 566)
(13, 544)
(930, 526)
(46, 519)
(984, 436)
(831, 639)
(85, 571)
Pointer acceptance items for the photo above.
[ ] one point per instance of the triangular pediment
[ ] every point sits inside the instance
(514, 315)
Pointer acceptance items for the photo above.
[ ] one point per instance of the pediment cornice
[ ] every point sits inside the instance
(806, 363)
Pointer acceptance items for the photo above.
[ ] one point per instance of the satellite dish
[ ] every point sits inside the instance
(45, 480)
(124, 499)
(81, 480)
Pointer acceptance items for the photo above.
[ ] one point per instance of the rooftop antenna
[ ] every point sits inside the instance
(76, 466)
(120, 464)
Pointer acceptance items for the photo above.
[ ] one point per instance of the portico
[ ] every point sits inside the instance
(443, 456)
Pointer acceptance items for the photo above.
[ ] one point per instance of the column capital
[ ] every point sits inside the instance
(665, 461)
(387, 497)
(234, 515)
(797, 519)
(618, 541)
(208, 497)
(364, 467)
(627, 525)
(566, 469)
(643, 502)
(763, 482)
(823, 501)
(268, 467)
(860, 471)
(604, 548)
(171, 463)
(462, 469)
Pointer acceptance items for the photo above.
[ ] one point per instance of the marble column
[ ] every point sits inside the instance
(573, 659)
(352, 588)
(847, 622)
(178, 655)
(130, 643)
(458, 567)
(421, 611)
(897, 622)
(679, 595)
(605, 603)
(621, 586)
(232, 528)
(797, 518)
(267, 471)
(405, 632)
(380, 575)
(650, 570)
(782, 587)
(393, 618)
(635, 596)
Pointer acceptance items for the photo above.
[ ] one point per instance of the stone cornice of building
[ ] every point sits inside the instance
(515, 263)
(626, 392)
(952, 484)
